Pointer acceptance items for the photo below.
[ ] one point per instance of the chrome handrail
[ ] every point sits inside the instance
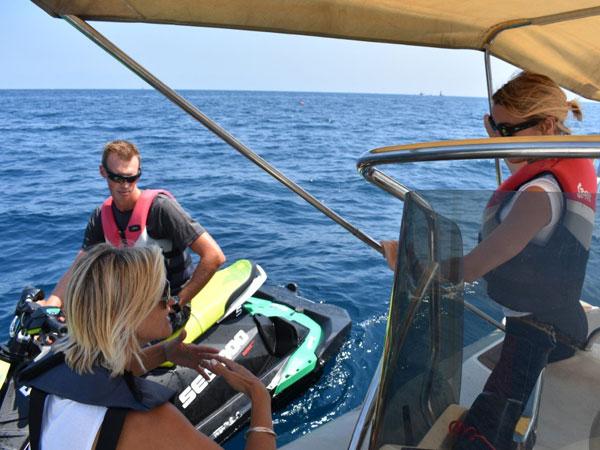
(493, 148)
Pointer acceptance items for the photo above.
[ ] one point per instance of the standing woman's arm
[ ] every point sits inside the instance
(530, 213)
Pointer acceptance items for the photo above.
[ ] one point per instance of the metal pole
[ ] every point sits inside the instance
(368, 409)
(95, 36)
(490, 92)
(478, 312)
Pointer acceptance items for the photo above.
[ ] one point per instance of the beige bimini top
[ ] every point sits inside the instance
(559, 38)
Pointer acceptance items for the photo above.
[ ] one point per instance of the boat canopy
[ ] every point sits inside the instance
(558, 38)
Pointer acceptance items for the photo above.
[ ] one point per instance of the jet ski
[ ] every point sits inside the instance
(283, 338)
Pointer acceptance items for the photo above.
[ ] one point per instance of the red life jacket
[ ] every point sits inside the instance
(545, 278)
(576, 177)
(177, 261)
(137, 222)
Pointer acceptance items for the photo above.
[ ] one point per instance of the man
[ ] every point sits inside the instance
(131, 217)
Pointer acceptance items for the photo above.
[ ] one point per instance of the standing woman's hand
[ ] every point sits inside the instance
(390, 253)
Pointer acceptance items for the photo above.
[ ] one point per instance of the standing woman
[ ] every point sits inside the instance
(536, 235)
(86, 396)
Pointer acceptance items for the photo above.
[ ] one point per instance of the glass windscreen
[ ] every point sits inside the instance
(469, 263)
(423, 351)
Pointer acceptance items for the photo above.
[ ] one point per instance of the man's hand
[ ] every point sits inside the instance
(53, 300)
(211, 258)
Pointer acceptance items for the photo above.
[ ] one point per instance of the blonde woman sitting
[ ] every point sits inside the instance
(86, 395)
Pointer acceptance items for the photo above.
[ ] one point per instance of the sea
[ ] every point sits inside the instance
(50, 147)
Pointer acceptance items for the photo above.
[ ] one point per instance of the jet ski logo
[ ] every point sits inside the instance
(229, 422)
(583, 194)
(231, 350)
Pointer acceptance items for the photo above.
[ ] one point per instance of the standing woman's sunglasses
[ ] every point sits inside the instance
(507, 130)
(122, 178)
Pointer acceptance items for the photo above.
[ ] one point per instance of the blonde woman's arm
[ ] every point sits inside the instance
(166, 427)
(188, 355)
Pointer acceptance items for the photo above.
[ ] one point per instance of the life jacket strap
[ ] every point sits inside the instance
(37, 399)
(108, 436)
(111, 428)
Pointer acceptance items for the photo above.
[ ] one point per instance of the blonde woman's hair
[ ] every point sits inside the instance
(532, 95)
(110, 293)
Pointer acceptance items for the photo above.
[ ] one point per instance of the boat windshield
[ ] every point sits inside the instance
(445, 336)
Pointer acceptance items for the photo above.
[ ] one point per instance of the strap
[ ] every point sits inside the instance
(37, 399)
(111, 428)
(37, 368)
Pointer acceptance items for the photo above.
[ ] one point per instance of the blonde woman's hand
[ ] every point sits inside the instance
(237, 376)
(189, 355)
(390, 253)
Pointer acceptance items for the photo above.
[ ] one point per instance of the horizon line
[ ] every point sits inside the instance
(420, 94)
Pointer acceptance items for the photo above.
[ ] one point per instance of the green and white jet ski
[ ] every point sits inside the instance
(283, 338)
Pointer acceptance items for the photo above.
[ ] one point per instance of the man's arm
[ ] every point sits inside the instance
(211, 258)
(93, 235)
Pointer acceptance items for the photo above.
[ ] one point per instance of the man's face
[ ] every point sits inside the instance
(122, 191)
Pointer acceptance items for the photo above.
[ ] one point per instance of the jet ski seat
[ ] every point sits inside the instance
(279, 334)
(224, 293)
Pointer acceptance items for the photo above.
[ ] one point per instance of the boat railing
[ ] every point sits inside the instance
(489, 148)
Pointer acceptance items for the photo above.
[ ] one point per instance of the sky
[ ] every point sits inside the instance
(40, 52)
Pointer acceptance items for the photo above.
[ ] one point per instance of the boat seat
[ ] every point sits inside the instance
(529, 416)
(593, 317)
(437, 437)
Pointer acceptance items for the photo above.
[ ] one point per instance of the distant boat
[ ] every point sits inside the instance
(421, 94)
(441, 94)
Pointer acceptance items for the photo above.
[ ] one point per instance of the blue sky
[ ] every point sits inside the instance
(38, 51)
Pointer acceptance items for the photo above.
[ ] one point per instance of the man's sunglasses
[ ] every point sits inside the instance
(122, 178)
(506, 130)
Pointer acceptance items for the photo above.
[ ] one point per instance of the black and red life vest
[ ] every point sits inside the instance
(178, 262)
(120, 394)
(547, 277)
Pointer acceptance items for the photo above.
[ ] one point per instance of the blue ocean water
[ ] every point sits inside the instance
(49, 155)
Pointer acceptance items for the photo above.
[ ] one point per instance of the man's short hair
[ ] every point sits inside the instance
(124, 150)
